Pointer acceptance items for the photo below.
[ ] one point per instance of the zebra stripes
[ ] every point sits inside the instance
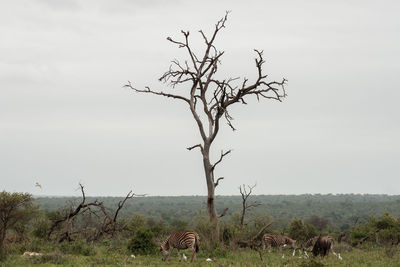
(279, 241)
(180, 240)
(310, 242)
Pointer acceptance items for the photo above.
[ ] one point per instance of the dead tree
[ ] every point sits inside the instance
(245, 205)
(97, 208)
(253, 243)
(210, 98)
(109, 225)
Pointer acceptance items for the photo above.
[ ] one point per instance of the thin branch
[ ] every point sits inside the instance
(148, 91)
(198, 145)
(223, 154)
(217, 182)
(223, 213)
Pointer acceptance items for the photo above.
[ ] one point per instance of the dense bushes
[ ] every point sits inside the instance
(142, 243)
(301, 231)
(77, 248)
(381, 231)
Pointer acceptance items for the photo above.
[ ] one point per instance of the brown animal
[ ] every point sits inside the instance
(322, 246)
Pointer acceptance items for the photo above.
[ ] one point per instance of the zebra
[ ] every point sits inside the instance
(309, 243)
(180, 240)
(279, 241)
(322, 245)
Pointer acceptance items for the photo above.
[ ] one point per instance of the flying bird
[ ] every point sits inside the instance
(38, 185)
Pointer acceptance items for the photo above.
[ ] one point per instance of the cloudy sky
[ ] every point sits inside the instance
(65, 117)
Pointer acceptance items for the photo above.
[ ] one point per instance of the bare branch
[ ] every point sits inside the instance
(147, 90)
(198, 145)
(223, 154)
(223, 213)
(245, 205)
(217, 182)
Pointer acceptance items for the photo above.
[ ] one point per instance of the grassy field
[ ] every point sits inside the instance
(102, 257)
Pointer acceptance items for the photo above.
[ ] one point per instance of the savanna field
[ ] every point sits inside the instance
(103, 256)
(65, 232)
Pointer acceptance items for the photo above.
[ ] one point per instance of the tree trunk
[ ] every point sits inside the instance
(212, 212)
(243, 214)
(2, 238)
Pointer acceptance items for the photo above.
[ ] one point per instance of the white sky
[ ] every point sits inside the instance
(65, 118)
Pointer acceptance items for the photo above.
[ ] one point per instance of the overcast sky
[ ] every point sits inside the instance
(65, 117)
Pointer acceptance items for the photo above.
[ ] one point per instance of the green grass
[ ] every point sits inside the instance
(103, 257)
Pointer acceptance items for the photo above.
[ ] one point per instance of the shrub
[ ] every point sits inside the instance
(77, 248)
(301, 231)
(312, 263)
(142, 243)
(51, 258)
(41, 228)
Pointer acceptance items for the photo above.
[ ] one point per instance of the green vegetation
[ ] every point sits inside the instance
(15, 210)
(341, 211)
(240, 257)
(368, 236)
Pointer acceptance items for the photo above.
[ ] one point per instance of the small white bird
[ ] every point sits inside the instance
(208, 259)
(294, 253)
(283, 256)
(38, 185)
(133, 256)
(184, 257)
(340, 257)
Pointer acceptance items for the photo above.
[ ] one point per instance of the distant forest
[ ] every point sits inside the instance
(341, 211)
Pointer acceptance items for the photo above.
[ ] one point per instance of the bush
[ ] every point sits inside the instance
(51, 258)
(142, 243)
(77, 248)
(219, 252)
(41, 228)
(301, 231)
(312, 263)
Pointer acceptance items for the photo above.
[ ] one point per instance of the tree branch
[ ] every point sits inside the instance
(198, 145)
(148, 91)
(217, 182)
(223, 154)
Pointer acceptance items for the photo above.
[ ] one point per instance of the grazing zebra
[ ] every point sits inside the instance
(323, 245)
(180, 240)
(279, 241)
(309, 243)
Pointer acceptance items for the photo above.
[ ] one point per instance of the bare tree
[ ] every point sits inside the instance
(108, 225)
(209, 98)
(252, 243)
(245, 205)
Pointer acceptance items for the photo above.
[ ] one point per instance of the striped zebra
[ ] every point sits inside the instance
(180, 240)
(279, 241)
(309, 243)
